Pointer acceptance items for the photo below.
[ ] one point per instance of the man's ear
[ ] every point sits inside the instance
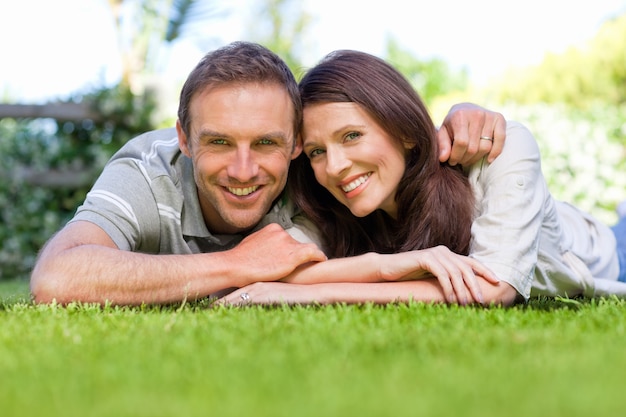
(183, 141)
(297, 148)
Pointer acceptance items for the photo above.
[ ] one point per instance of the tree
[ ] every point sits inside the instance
(284, 37)
(580, 77)
(146, 28)
(430, 78)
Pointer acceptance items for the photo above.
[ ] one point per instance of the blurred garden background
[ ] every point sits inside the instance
(574, 100)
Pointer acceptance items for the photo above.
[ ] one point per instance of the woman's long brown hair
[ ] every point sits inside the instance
(435, 200)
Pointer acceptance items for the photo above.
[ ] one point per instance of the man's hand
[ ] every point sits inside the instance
(460, 135)
(271, 254)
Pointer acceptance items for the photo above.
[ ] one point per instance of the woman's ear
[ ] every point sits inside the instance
(297, 147)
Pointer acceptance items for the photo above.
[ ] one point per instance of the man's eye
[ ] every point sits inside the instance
(266, 142)
(218, 142)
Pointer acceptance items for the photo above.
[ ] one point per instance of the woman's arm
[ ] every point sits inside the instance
(427, 290)
(457, 275)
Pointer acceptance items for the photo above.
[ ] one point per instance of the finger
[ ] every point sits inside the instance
(445, 144)
(441, 274)
(469, 281)
(485, 142)
(458, 280)
(499, 136)
(460, 142)
(309, 252)
(464, 279)
(472, 284)
(234, 299)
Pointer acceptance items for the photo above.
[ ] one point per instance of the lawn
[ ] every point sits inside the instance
(546, 358)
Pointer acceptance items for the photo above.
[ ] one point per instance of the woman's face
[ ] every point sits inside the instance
(352, 157)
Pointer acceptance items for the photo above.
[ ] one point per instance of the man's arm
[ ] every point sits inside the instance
(81, 263)
(459, 137)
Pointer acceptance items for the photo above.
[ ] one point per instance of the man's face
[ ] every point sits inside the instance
(241, 144)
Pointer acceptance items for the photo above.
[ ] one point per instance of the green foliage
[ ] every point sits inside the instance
(582, 77)
(431, 78)
(575, 104)
(553, 358)
(48, 167)
(583, 153)
(285, 37)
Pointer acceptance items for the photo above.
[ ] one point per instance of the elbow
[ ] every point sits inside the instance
(502, 294)
(40, 291)
(46, 288)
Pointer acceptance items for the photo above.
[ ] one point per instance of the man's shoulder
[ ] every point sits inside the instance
(155, 148)
(151, 141)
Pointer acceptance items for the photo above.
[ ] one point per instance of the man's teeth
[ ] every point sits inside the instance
(349, 187)
(243, 191)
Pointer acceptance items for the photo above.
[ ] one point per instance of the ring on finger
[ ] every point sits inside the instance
(489, 138)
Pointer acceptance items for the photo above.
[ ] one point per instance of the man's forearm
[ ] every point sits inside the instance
(81, 263)
(91, 273)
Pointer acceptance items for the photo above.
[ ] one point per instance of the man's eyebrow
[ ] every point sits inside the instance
(208, 133)
(276, 135)
(273, 135)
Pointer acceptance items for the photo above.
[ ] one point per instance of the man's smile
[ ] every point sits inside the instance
(243, 191)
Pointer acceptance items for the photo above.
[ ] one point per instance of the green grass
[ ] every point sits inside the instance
(547, 358)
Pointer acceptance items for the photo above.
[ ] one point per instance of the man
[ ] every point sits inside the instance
(188, 213)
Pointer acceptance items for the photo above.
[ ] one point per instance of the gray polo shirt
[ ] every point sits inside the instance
(146, 201)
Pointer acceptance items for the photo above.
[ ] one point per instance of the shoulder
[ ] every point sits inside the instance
(520, 153)
(519, 141)
(149, 144)
(153, 153)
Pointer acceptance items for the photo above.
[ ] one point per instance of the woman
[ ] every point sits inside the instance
(370, 180)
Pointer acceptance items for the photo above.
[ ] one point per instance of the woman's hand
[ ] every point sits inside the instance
(457, 274)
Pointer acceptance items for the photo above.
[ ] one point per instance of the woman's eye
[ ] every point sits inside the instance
(352, 136)
(315, 152)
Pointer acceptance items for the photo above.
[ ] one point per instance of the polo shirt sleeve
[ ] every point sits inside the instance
(122, 203)
(511, 195)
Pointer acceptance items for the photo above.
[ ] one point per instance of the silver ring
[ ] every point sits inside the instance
(245, 296)
(490, 139)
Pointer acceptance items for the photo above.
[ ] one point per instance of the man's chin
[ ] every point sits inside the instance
(241, 225)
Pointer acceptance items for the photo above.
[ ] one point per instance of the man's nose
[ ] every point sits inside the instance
(244, 166)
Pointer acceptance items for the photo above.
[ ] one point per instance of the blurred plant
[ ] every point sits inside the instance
(284, 36)
(431, 78)
(581, 76)
(583, 153)
(146, 28)
(47, 168)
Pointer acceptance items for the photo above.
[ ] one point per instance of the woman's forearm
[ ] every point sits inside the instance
(362, 268)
